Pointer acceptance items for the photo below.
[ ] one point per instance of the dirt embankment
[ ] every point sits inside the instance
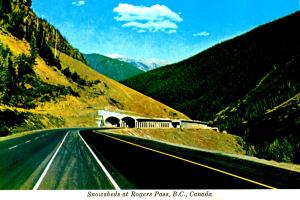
(199, 138)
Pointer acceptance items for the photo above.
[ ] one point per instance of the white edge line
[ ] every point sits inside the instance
(48, 165)
(13, 147)
(101, 165)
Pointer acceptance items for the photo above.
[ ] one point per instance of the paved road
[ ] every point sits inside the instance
(57, 159)
(67, 159)
(153, 165)
(23, 159)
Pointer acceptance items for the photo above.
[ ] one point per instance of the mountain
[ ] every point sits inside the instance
(144, 66)
(113, 68)
(240, 85)
(46, 87)
(17, 18)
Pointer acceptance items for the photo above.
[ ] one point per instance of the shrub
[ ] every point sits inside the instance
(67, 72)
(3, 130)
(280, 150)
(74, 76)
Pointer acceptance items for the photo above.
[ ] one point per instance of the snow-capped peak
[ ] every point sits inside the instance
(142, 65)
(115, 56)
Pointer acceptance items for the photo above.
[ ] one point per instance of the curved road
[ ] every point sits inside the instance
(67, 159)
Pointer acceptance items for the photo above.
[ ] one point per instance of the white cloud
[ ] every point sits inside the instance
(171, 31)
(201, 34)
(78, 3)
(152, 26)
(152, 19)
(128, 12)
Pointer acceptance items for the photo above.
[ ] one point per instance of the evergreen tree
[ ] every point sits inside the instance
(16, 24)
(24, 66)
(5, 6)
(11, 85)
(28, 3)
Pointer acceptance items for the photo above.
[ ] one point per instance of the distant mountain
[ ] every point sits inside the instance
(144, 66)
(113, 68)
(241, 86)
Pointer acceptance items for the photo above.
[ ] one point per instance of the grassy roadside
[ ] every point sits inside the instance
(17, 135)
(199, 138)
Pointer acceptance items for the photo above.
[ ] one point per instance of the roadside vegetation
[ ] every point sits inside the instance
(20, 87)
(17, 18)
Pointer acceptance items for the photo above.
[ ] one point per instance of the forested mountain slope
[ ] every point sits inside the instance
(44, 87)
(240, 85)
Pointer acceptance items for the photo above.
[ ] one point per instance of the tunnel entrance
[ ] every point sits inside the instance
(128, 122)
(112, 121)
(176, 124)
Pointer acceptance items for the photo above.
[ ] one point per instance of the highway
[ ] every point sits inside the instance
(23, 159)
(73, 159)
(57, 159)
(153, 165)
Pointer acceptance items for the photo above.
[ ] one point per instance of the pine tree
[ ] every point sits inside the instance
(5, 6)
(28, 3)
(24, 65)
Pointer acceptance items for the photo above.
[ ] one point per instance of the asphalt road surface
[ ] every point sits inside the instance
(153, 165)
(69, 159)
(23, 159)
(57, 159)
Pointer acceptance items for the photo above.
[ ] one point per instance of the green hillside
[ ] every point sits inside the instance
(113, 68)
(17, 18)
(236, 84)
(46, 87)
(21, 89)
(275, 135)
(205, 84)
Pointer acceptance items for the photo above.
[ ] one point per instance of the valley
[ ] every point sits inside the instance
(243, 93)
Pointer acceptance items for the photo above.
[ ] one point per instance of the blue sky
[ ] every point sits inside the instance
(157, 30)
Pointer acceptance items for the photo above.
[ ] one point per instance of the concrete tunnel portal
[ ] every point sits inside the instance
(112, 121)
(129, 122)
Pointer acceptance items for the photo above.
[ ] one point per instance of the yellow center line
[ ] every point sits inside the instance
(192, 162)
